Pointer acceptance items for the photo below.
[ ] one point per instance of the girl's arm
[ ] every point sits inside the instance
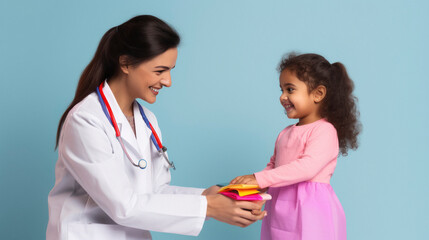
(271, 164)
(321, 149)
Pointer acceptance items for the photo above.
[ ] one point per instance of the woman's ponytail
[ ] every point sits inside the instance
(91, 77)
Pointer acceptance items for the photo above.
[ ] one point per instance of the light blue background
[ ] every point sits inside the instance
(221, 116)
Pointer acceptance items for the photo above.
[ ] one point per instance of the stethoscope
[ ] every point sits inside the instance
(142, 163)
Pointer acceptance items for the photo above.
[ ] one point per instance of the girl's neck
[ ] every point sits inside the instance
(122, 95)
(309, 119)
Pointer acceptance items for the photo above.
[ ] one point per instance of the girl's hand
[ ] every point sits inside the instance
(245, 179)
(211, 190)
(239, 213)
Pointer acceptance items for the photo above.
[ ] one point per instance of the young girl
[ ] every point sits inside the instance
(304, 205)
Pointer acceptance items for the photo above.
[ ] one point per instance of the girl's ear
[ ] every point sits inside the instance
(123, 63)
(319, 93)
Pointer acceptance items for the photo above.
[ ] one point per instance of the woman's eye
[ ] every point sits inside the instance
(159, 72)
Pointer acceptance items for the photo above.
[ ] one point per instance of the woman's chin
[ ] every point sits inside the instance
(149, 100)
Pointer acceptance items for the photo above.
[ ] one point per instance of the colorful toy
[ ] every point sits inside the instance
(244, 192)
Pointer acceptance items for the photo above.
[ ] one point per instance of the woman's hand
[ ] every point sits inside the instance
(211, 190)
(239, 213)
(245, 179)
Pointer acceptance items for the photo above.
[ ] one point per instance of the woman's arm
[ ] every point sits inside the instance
(87, 154)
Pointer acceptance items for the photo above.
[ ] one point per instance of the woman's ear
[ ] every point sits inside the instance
(319, 93)
(123, 63)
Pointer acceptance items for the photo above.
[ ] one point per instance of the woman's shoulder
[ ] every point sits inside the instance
(89, 109)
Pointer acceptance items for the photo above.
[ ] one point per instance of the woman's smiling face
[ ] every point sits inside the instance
(147, 79)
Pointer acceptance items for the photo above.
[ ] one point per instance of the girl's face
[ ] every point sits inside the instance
(296, 99)
(147, 79)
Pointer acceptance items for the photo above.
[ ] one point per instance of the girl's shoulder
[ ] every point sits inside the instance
(285, 131)
(323, 130)
(324, 126)
(320, 127)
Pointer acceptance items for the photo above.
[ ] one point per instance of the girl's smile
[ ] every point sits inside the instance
(287, 105)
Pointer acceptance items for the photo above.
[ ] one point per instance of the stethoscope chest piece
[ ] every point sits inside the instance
(142, 163)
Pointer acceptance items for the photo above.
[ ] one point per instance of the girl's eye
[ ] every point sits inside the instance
(289, 90)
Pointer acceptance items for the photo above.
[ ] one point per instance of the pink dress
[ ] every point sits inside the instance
(304, 205)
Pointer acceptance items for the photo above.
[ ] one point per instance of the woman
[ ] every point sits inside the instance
(112, 174)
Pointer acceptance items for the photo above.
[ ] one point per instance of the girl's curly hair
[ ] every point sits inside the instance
(339, 105)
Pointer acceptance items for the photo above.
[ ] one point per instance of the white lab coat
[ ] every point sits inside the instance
(99, 194)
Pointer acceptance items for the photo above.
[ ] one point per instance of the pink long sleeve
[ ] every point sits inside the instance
(302, 153)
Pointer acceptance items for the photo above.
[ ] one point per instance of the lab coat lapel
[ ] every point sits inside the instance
(127, 133)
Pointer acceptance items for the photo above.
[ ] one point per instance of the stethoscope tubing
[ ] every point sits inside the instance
(154, 136)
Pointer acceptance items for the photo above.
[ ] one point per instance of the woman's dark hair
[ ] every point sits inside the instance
(339, 105)
(139, 39)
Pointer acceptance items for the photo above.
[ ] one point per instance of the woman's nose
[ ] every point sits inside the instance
(166, 81)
